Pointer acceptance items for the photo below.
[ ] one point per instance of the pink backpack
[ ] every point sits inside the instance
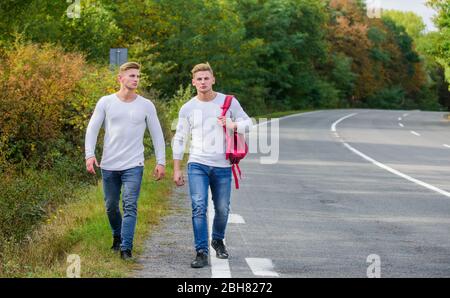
(237, 148)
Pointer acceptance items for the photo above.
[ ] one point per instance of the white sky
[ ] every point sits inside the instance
(417, 6)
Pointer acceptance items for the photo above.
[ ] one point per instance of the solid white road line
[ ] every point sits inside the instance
(261, 267)
(401, 125)
(220, 268)
(286, 117)
(391, 170)
(333, 127)
(415, 133)
(235, 219)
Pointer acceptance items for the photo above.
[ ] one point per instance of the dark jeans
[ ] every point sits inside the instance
(113, 181)
(219, 179)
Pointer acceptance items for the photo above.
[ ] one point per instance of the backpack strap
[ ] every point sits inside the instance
(233, 169)
(225, 108)
(226, 104)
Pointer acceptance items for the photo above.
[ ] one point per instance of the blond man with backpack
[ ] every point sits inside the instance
(215, 123)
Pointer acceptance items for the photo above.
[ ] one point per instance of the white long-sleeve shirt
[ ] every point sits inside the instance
(125, 124)
(198, 119)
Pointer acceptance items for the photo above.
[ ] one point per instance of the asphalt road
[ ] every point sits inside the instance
(377, 185)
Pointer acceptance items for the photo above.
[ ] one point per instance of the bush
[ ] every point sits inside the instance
(34, 84)
(46, 99)
(388, 98)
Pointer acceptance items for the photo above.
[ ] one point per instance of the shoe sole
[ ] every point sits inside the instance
(198, 266)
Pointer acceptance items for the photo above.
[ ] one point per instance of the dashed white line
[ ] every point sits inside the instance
(220, 268)
(261, 267)
(401, 125)
(405, 115)
(445, 145)
(391, 170)
(415, 133)
(236, 219)
(399, 118)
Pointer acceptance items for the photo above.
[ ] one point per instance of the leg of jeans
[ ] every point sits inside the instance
(131, 180)
(198, 189)
(111, 189)
(220, 181)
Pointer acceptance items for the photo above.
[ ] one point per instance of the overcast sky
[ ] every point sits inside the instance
(417, 6)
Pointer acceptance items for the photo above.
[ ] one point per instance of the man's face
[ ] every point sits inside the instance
(203, 81)
(130, 79)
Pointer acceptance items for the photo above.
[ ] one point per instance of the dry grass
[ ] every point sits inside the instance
(82, 228)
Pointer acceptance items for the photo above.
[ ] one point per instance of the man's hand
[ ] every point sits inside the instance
(90, 164)
(178, 177)
(222, 120)
(159, 172)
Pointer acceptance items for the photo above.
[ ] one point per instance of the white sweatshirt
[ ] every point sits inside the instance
(125, 124)
(198, 120)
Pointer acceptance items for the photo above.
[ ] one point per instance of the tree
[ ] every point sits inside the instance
(441, 48)
(412, 23)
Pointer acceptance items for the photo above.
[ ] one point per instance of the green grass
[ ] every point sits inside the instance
(82, 228)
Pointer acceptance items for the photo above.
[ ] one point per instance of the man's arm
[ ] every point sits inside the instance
(179, 145)
(159, 145)
(177, 173)
(240, 121)
(95, 123)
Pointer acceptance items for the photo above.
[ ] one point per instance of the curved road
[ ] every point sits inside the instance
(348, 184)
(323, 209)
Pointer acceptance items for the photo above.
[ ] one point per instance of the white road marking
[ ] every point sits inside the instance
(286, 117)
(235, 218)
(220, 268)
(401, 125)
(415, 133)
(333, 127)
(261, 267)
(405, 115)
(445, 145)
(393, 171)
(399, 118)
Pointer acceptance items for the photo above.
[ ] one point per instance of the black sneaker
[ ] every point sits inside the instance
(221, 251)
(126, 254)
(116, 243)
(201, 260)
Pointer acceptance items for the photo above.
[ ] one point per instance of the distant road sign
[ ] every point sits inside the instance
(118, 56)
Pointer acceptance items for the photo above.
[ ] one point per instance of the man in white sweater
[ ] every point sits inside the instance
(200, 118)
(125, 116)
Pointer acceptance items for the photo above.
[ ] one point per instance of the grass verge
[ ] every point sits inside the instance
(82, 228)
(281, 114)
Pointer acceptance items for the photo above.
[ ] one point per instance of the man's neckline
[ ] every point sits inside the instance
(206, 101)
(117, 96)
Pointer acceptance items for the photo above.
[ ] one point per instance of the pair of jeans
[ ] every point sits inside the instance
(219, 180)
(113, 181)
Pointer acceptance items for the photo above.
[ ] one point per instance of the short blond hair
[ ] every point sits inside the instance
(129, 65)
(202, 67)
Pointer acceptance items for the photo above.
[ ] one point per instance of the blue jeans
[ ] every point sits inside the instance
(219, 179)
(113, 181)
